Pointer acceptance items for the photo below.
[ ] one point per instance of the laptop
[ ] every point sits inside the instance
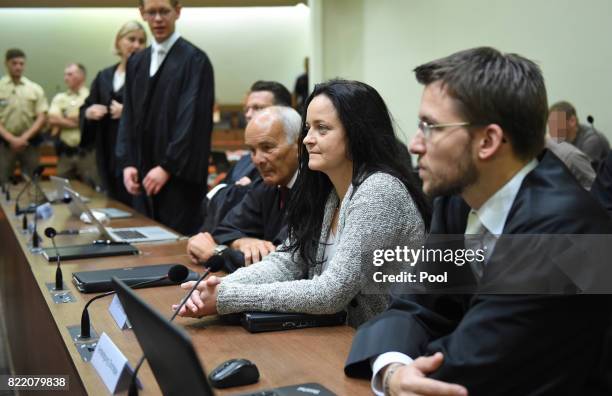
(128, 234)
(171, 354)
(59, 189)
(60, 184)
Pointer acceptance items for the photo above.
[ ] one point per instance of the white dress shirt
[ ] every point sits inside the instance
(492, 215)
(159, 52)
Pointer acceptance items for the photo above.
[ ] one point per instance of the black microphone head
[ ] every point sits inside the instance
(590, 119)
(178, 273)
(38, 170)
(215, 263)
(50, 232)
(67, 199)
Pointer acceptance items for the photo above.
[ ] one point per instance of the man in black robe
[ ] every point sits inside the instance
(257, 224)
(237, 182)
(164, 135)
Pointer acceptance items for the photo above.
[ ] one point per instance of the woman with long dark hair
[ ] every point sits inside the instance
(102, 110)
(355, 194)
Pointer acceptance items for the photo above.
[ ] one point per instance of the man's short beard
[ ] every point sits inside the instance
(468, 175)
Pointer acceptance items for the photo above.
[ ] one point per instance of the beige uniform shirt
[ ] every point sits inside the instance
(67, 104)
(20, 104)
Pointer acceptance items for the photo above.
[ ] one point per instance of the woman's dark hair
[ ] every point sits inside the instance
(371, 145)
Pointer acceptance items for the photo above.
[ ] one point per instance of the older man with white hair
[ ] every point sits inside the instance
(257, 224)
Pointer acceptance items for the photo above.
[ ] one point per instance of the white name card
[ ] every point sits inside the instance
(116, 310)
(111, 365)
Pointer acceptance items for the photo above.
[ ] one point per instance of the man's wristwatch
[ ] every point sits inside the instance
(387, 377)
(219, 249)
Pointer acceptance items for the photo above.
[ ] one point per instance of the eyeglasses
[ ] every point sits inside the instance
(163, 13)
(428, 128)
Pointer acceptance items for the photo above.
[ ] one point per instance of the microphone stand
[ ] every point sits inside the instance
(85, 322)
(59, 281)
(35, 237)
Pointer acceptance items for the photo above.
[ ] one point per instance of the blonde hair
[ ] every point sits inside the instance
(127, 28)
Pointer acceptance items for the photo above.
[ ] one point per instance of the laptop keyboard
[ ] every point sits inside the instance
(129, 234)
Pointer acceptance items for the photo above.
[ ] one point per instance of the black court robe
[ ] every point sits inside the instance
(261, 214)
(167, 121)
(504, 344)
(102, 134)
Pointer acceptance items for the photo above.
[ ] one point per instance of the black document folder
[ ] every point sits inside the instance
(76, 252)
(257, 322)
(100, 280)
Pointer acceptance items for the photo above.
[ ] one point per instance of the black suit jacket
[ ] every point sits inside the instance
(504, 344)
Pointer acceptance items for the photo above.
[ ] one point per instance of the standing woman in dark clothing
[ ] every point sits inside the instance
(102, 110)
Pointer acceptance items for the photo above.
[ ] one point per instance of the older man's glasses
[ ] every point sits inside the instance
(428, 129)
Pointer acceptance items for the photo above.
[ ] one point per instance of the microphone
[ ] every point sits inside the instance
(59, 281)
(214, 264)
(591, 121)
(177, 274)
(35, 238)
(38, 171)
(24, 222)
(73, 231)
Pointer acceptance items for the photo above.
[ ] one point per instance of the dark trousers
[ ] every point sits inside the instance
(178, 205)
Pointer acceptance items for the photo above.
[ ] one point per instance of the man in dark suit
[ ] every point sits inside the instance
(163, 142)
(481, 154)
(257, 224)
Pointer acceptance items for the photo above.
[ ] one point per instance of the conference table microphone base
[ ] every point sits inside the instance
(60, 296)
(84, 346)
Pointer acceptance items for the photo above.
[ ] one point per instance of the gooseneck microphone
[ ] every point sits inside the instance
(176, 274)
(59, 279)
(213, 265)
(591, 121)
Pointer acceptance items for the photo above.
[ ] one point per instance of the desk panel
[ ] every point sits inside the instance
(40, 343)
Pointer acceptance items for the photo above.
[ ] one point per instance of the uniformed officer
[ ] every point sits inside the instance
(74, 161)
(23, 108)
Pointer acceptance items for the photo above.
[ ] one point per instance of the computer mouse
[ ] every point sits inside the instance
(234, 372)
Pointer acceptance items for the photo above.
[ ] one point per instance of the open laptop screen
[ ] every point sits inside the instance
(82, 207)
(167, 347)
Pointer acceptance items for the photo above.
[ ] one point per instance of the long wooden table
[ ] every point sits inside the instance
(39, 341)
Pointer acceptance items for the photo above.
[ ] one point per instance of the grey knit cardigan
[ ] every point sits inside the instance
(379, 214)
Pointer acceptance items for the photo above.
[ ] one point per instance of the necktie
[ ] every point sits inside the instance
(284, 196)
(475, 239)
(160, 55)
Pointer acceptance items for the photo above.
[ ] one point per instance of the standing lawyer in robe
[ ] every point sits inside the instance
(102, 110)
(165, 130)
(480, 145)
